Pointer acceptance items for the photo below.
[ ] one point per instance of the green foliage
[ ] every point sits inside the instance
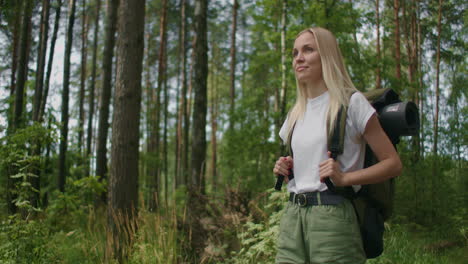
(258, 238)
(21, 162)
(72, 207)
(24, 241)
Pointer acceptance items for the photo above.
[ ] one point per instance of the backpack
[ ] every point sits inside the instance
(373, 203)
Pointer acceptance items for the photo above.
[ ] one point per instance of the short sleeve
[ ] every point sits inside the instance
(283, 131)
(360, 111)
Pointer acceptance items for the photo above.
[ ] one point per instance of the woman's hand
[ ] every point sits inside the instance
(331, 169)
(283, 166)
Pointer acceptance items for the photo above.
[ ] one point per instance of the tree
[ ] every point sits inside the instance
(106, 90)
(92, 85)
(38, 91)
(19, 91)
(378, 79)
(153, 146)
(396, 10)
(182, 120)
(51, 58)
(84, 55)
(123, 185)
(198, 158)
(235, 6)
(41, 55)
(65, 97)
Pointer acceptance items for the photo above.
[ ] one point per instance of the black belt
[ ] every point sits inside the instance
(316, 198)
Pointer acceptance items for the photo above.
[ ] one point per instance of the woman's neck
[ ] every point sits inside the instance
(313, 90)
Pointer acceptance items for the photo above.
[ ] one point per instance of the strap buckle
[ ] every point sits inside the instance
(301, 199)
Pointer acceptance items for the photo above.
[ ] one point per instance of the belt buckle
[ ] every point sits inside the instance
(301, 199)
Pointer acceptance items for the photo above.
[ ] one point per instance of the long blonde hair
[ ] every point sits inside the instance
(335, 76)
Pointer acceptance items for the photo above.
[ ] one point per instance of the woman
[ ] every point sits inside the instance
(326, 229)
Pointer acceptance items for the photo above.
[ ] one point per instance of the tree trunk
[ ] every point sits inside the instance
(233, 65)
(214, 125)
(84, 47)
(16, 39)
(181, 160)
(396, 9)
(22, 74)
(19, 91)
(154, 141)
(437, 90)
(106, 90)
(92, 87)
(284, 87)
(43, 36)
(198, 159)
(378, 78)
(123, 185)
(38, 92)
(51, 59)
(65, 98)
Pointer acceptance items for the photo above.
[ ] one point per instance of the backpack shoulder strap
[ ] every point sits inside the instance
(335, 143)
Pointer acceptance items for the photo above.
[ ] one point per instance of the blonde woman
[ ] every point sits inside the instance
(321, 227)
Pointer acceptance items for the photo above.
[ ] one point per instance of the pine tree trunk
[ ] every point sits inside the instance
(19, 93)
(15, 46)
(65, 98)
(38, 91)
(84, 44)
(154, 141)
(183, 122)
(51, 59)
(198, 157)
(92, 87)
(233, 65)
(437, 89)
(43, 36)
(396, 9)
(123, 184)
(284, 87)
(106, 90)
(378, 78)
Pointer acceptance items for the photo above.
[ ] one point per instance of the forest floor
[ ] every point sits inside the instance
(81, 238)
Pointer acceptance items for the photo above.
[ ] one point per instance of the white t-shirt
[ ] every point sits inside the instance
(309, 141)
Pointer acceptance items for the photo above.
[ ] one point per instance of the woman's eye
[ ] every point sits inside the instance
(294, 54)
(309, 49)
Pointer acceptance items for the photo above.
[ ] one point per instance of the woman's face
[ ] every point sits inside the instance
(307, 63)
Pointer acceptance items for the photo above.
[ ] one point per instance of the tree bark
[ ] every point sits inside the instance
(154, 169)
(183, 118)
(43, 36)
(16, 39)
(123, 187)
(106, 91)
(233, 65)
(284, 87)
(65, 98)
(19, 93)
(92, 88)
(22, 74)
(396, 9)
(38, 92)
(437, 89)
(378, 78)
(51, 59)
(84, 47)
(198, 159)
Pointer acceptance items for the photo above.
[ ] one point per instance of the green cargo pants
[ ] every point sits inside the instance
(320, 234)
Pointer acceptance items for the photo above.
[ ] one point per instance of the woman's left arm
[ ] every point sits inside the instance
(389, 164)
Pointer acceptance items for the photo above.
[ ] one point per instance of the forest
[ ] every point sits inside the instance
(146, 131)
